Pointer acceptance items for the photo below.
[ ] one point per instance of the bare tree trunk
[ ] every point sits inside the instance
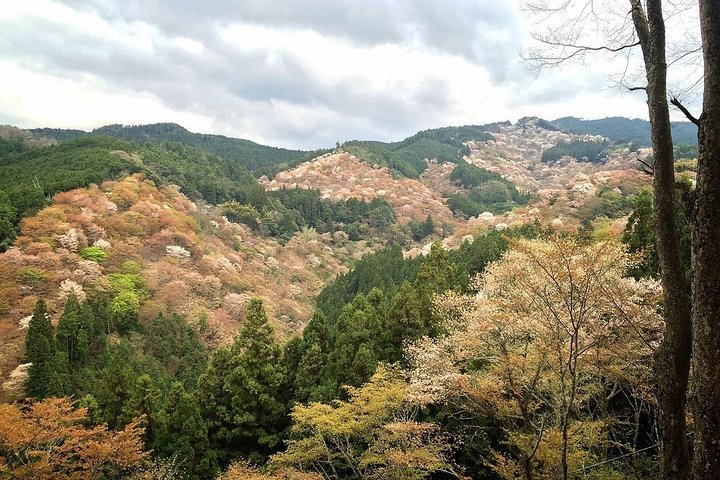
(706, 249)
(672, 361)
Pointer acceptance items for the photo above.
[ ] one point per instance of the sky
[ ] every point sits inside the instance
(293, 73)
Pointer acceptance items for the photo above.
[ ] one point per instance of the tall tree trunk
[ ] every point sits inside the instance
(672, 361)
(706, 248)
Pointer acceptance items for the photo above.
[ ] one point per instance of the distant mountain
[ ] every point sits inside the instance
(625, 130)
(258, 158)
(407, 157)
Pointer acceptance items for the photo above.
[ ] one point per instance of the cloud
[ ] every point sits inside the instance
(301, 74)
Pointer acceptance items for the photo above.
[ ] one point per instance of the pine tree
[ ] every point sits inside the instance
(242, 391)
(308, 375)
(437, 274)
(144, 399)
(184, 435)
(73, 330)
(40, 351)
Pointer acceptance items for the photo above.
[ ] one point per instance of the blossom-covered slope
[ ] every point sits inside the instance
(178, 257)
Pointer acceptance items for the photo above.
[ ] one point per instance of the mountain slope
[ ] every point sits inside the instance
(250, 155)
(625, 130)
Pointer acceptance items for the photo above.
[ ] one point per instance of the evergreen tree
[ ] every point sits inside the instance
(114, 386)
(59, 376)
(242, 391)
(307, 378)
(144, 399)
(40, 351)
(73, 330)
(184, 435)
(404, 322)
(436, 275)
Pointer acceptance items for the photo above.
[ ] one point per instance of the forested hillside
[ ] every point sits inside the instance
(403, 310)
(257, 158)
(625, 130)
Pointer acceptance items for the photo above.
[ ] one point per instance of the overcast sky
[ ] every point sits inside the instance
(293, 73)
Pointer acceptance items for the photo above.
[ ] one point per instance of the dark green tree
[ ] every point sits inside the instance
(144, 400)
(184, 435)
(241, 392)
(437, 274)
(40, 351)
(308, 376)
(8, 215)
(73, 330)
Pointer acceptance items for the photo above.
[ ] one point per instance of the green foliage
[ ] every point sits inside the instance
(176, 346)
(488, 191)
(288, 211)
(95, 254)
(184, 435)
(640, 237)
(422, 229)
(385, 269)
(245, 153)
(74, 330)
(241, 213)
(124, 310)
(580, 150)
(127, 282)
(33, 175)
(625, 130)
(408, 156)
(40, 351)
(32, 277)
(241, 392)
(8, 215)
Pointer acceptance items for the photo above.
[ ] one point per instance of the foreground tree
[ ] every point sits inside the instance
(648, 32)
(373, 434)
(705, 248)
(40, 351)
(553, 338)
(49, 439)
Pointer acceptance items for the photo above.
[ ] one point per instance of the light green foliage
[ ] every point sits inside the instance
(371, 435)
(127, 282)
(32, 277)
(95, 254)
(124, 310)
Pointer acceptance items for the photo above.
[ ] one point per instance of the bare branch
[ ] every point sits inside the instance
(685, 111)
(646, 167)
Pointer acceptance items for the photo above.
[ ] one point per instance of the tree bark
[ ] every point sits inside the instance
(672, 360)
(706, 249)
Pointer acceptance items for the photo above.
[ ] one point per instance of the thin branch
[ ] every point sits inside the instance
(647, 168)
(685, 111)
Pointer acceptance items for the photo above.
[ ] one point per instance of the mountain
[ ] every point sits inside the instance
(253, 156)
(625, 130)
(148, 274)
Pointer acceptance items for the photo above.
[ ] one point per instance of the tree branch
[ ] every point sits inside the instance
(685, 111)
(647, 168)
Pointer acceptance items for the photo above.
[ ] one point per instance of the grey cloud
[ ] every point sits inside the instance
(240, 90)
(486, 32)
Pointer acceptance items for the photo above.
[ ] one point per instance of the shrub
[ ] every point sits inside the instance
(95, 254)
